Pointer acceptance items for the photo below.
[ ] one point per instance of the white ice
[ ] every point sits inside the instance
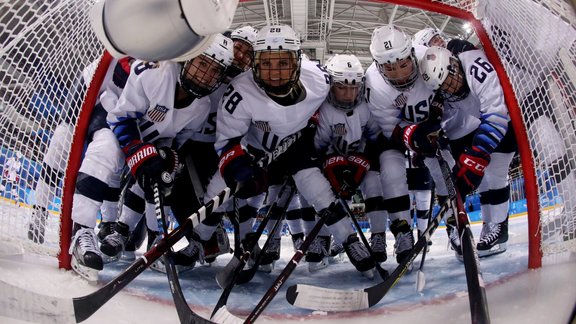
(515, 294)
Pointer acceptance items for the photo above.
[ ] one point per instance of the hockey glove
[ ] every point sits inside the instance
(240, 173)
(148, 165)
(469, 170)
(421, 138)
(345, 174)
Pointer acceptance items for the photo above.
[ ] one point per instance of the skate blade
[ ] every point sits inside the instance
(369, 274)
(316, 266)
(128, 256)
(496, 249)
(91, 275)
(266, 268)
(109, 259)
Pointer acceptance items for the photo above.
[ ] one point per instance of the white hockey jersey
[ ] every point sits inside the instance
(149, 97)
(483, 105)
(248, 111)
(343, 133)
(391, 107)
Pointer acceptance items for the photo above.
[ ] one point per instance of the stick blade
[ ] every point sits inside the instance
(22, 304)
(420, 281)
(224, 276)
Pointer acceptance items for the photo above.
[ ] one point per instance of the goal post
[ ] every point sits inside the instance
(46, 46)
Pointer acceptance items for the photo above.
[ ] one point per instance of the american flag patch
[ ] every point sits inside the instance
(400, 101)
(339, 129)
(262, 125)
(158, 113)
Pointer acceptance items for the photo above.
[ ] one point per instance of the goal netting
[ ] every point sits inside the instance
(45, 46)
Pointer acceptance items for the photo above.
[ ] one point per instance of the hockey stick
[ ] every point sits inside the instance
(420, 277)
(383, 273)
(245, 276)
(337, 300)
(185, 313)
(237, 263)
(223, 315)
(474, 280)
(234, 274)
(46, 308)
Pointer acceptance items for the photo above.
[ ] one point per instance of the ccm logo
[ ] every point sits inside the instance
(474, 165)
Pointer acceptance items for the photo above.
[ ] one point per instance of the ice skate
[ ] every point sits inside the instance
(37, 225)
(493, 239)
(271, 255)
(113, 244)
(378, 246)
(359, 256)
(86, 258)
(454, 238)
(317, 253)
(106, 228)
(404, 239)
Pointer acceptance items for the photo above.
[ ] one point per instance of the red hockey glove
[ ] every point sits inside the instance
(148, 165)
(469, 170)
(421, 138)
(240, 173)
(345, 174)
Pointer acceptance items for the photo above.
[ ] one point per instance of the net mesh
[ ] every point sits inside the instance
(45, 47)
(47, 44)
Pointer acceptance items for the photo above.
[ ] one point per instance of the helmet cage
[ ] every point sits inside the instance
(206, 77)
(339, 89)
(404, 82)
(454, 88)
(262, 70)
(245, 62)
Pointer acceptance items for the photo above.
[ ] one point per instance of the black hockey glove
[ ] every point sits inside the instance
(149, 165)
(420, 138)
(240, 173)
(345, 174)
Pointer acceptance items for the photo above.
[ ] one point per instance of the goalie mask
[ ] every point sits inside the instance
(276, 66)
(347, 82)
(392, 50)
(244, 38)
(442, 72)
(203, 74)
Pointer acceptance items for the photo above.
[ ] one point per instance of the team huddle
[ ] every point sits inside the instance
(253, 114)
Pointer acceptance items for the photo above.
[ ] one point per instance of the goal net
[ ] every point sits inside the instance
(46, 45)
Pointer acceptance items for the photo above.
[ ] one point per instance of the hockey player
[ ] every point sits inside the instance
(268, 113)
(477, 123)
(429, 37)
(344, 127)
(207, 165)
(10, 175)
(397, 97)
(98, 180)
(160, 100)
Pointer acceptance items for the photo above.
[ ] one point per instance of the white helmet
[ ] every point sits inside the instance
(174, 30)
(221, 54)
(243, 53)
(246, 33)
(277, 38)
(436, 66)
(345, 71)
(424, 36)
(389, 44)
